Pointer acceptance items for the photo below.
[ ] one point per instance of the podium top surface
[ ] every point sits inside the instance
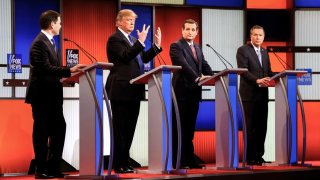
(75, 76)
(288, 72)
(212, 80)
(144, 78)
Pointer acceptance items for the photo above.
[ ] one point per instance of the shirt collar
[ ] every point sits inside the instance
(189, 43)
(47, 34)
(124, 33)
(255, 48)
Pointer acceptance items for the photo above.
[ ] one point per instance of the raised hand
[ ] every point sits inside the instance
(143, 34)
(158, 37)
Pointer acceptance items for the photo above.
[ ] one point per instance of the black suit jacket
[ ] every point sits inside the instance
(123, 55)
(184, 80)
(248, 58)
(44, 84)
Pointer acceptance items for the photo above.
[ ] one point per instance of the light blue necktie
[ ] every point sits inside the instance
(260, 57)
(139, 60)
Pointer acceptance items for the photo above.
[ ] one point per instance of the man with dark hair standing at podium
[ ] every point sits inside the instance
(187, 54)
(45, 94)
(128, 56)
(254, 93)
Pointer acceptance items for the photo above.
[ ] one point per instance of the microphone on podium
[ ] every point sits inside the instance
(282, 62)
(89, 56)
(222, 59)
(158, 53)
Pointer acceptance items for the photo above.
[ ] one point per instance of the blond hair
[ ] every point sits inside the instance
(125, 12)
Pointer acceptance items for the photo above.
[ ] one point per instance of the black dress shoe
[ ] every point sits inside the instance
(195, 166)
(58, 175)
(122, 170)
(130, 167)
(39, 175)
(264, 161)
(254, 163)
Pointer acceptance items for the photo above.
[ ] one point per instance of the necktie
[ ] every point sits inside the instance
(54, 45)
(138, 58)
(193, 51)
(260, 57)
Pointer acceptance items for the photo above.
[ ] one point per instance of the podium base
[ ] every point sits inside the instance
(93, 177)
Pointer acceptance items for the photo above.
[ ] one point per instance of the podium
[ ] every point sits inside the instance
(159, 117)
(226, 93)
(286, 92)
(91, 95)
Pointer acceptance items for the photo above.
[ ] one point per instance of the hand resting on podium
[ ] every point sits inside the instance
(77, 68)
(263, 82)
(203, 77)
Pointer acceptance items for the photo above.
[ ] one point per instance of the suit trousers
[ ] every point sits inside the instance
(188, 115)
(256, 114)
(49, 128)
(125, 115)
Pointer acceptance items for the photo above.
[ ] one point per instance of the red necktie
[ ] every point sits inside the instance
(193, 51)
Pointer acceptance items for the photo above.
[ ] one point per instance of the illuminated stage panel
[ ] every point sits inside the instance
(177, 2)
(217, 3)
(313, 125)
(90, 29)
(16, 124)
(307, 3)
(270, 4)
(171, 27)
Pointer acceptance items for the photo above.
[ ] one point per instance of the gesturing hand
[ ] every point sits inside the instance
(158, 37)
(143, 34)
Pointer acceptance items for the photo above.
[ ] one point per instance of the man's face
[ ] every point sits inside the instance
(56, 26)
(127, 24)
(257, 37)
(189, 32)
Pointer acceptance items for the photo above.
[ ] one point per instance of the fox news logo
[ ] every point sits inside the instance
(72, 56)
(14, 63)
(305, 79)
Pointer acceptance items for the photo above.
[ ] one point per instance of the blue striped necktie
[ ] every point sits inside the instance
(138, 58)
(54, 45)
(260, 57)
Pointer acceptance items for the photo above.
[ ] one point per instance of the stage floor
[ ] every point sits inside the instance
(257, 172)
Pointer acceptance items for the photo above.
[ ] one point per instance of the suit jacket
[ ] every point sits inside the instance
(184, 80)
(44, 84)
(248, 58)
(126, 67)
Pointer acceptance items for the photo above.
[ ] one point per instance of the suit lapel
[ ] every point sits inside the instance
(187, 47)
(254, 54)
(125, 39)
(54, 54)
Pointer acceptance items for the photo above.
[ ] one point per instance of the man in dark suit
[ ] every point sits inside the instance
(128, 55)
(44, 93)
(189, 56)
(254, 93)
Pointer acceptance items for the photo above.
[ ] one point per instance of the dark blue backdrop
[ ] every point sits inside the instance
(27, 25)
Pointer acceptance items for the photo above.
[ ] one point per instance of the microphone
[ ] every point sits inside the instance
(89, 56)
(158, 53)
(222, 59)
(282, 62)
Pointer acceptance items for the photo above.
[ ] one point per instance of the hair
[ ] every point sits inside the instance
(190, 21)
(125, 12)
(256, 27)
(47, 17)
